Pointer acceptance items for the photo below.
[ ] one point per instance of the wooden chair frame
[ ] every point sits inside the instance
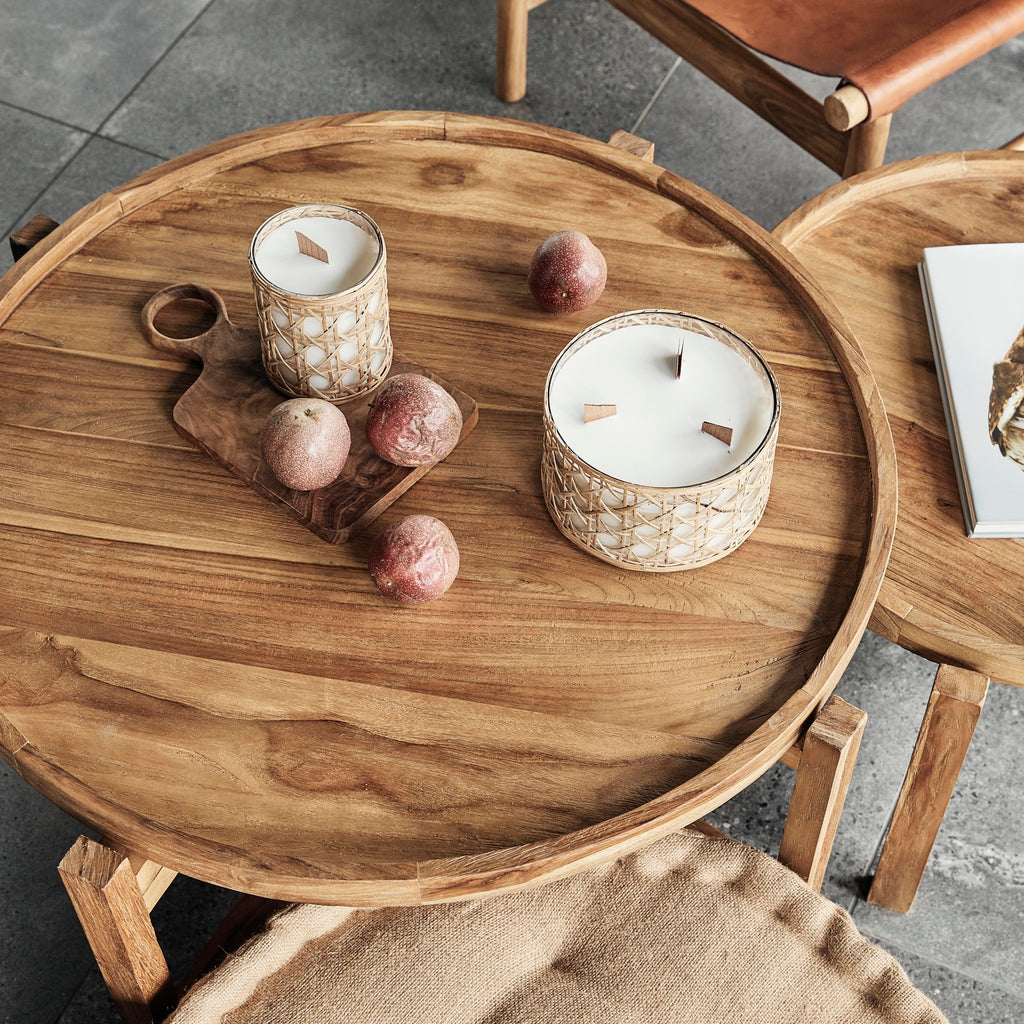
(836, 132)
(113, 892)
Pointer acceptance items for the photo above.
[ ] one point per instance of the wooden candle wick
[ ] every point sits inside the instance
(310, 248)
(724, 434)
(679, 360)
(598, 412)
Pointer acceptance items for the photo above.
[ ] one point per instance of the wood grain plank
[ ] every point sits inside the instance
(421, 773)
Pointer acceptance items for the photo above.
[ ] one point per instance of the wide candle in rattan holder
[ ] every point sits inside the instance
(319, 275)
(660, 431)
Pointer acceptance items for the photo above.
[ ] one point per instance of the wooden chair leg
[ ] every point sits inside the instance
(106, 896)
(822, 780)
(510, 82)
(954, 708)
(866, 148)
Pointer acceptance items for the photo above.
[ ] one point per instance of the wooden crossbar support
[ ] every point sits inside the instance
(109, 904)
(954, 708)
(152, 878)
(822, 781)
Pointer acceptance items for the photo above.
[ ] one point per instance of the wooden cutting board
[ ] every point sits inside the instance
(223, 411)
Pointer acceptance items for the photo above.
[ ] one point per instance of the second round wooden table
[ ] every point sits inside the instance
(946, 596)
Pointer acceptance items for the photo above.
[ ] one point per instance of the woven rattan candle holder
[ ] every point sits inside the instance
(658, 528)
(335, 345)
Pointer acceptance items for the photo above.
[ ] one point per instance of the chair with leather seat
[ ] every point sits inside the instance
(884, 52)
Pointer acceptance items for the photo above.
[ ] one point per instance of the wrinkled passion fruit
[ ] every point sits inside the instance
(305, 443)
(413, 421)
(567, 273)
(414, 560)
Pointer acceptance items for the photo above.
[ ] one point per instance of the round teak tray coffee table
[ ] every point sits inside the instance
(946, 596)
(206, 682)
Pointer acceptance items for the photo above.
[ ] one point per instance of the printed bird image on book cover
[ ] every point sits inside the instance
(974, 296)
(1006, 403)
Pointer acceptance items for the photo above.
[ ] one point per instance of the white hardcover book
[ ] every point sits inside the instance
(974, 298)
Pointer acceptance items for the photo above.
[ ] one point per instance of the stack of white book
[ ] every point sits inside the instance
(974, 298)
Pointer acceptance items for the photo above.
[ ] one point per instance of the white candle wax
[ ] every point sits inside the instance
(352, 253)
(655, 437)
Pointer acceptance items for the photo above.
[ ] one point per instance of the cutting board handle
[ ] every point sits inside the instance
(195, 346)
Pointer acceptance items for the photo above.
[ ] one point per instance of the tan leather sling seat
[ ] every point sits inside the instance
(890, 49)
(883, 52)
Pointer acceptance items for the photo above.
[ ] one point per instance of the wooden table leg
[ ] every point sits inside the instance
(106, 896)
(632, 144)
(949, 721)
(510, 75)
(822, 780)
(34, 231)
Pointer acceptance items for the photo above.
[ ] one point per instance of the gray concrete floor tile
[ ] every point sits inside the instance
(90, 1003)
(76, 60)
(43, 953)
(249, 63)
(963, 1000)
(97, 167)
(706, 136)
(43, 148)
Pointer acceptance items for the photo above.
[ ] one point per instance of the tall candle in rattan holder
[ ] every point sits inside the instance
(324, 327)
(624, 497)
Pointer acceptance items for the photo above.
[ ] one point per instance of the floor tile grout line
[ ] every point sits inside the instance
(152, 67)
(90, 137)
(92, 133)
(97, 133)
(31, 209)
(657, 92)
(89, 968)
(44, 117)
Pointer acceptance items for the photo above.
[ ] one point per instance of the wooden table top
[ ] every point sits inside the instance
(191, 672)
(946, 596)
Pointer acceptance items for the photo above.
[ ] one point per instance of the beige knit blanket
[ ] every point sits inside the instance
(692, 930)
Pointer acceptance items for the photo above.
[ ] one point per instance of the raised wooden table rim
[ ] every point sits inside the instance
(456, 876)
